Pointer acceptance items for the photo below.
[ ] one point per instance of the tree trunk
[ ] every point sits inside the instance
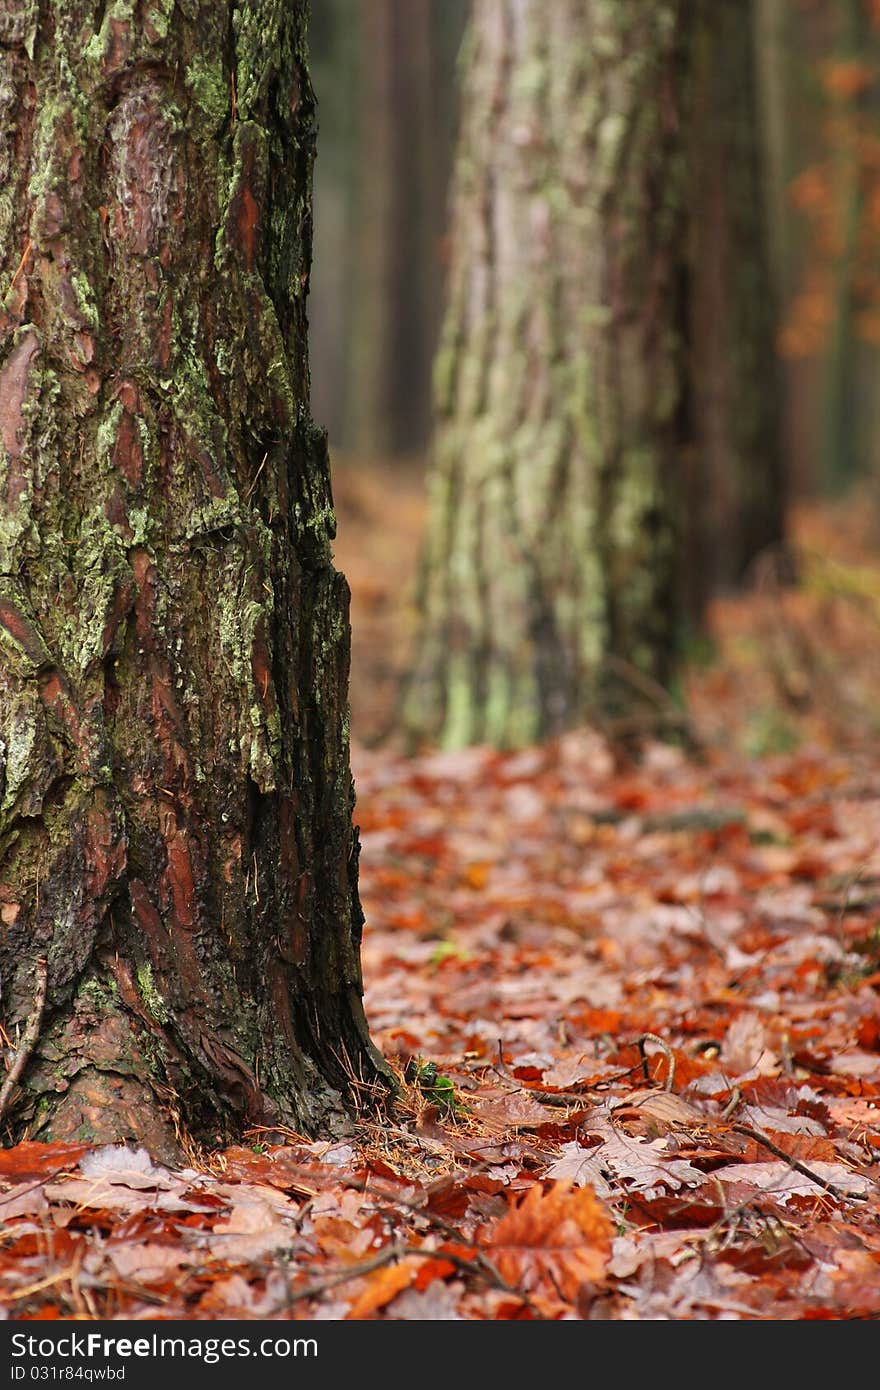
(841, 460)
(334, 59)
(775, 56)
(389, 401)
(736, 504)
(559, 384)
(175, 822)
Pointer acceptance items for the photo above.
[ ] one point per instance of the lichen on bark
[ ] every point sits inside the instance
(176, 812)
(548, 578)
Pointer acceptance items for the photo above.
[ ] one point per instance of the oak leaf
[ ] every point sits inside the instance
(561, 1237)
(383, 1285)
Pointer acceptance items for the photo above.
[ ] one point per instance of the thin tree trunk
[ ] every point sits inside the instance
(334, 53)
(736, 510)
(841, 457)
(548, 587)
(775, 54)
(175, 820)
(389, 406)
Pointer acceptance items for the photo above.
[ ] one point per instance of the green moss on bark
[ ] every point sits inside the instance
(175, 816)
(559, 377)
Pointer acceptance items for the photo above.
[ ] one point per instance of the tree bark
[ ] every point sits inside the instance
(560, 394)
(736, 501)
(175, 819)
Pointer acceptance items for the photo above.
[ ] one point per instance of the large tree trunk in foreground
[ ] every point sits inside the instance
(736, 503)
(550, 565)
(176, 798)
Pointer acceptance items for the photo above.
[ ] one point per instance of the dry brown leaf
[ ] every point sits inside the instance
(277, 1168)
(235, 1296)
(100, 1194)
(253, 1229)
(645, 1165)
(383, 1285)
(342, 1240)
(560, 1238)
(514, 1110)
(438, 1303)
(33, 1160)
(579, 1166)
(782, 1181)
(664, 1106)
(147, 1261)
(27, 1199)
(856, 1063)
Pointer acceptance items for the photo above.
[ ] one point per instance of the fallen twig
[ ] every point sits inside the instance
(668, 1053)
(21, 1190)
(480, 1261)
(388, 1256)
(796, 1164)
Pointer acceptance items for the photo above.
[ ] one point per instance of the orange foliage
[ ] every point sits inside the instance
(845, 81)
(842, 182)
(560, 1239)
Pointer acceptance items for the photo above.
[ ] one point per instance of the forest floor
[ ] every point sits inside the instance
(633, 1008)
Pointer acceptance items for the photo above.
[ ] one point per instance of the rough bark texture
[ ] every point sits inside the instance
(736, 499)
(175, 806)
(559, 383)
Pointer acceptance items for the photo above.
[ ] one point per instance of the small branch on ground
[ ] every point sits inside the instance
(796, 1164)
(668, 1053)
(479, 1266)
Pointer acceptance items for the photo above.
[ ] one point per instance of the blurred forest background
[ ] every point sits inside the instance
(397, 90)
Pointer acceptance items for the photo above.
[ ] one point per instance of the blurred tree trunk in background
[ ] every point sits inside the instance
(385, 77)
(389, 398)
(783, 131)
(178, 870)
(773, 23)
(550, 570)
(831, 332)
(334, 63)
(841, 457)
(736, 491)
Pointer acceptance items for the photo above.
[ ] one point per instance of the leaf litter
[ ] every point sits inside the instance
(644, 1071)
(637, 1005)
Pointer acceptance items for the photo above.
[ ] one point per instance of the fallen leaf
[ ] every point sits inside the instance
(383, 1285)
(253, 1229)
(32, 1160)
(515, 1110)
(147, 1261)
(664, 1107)
(439, 1303)
(119, 1163)
(25, 1200)
(785, 1182)
(560, 1238)
(643, 1165)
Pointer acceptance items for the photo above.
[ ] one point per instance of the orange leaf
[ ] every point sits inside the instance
(561, 1237)
(383, 1285)
(431, 1270)
(33, 1160)
(847, 80)
(476, 875)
